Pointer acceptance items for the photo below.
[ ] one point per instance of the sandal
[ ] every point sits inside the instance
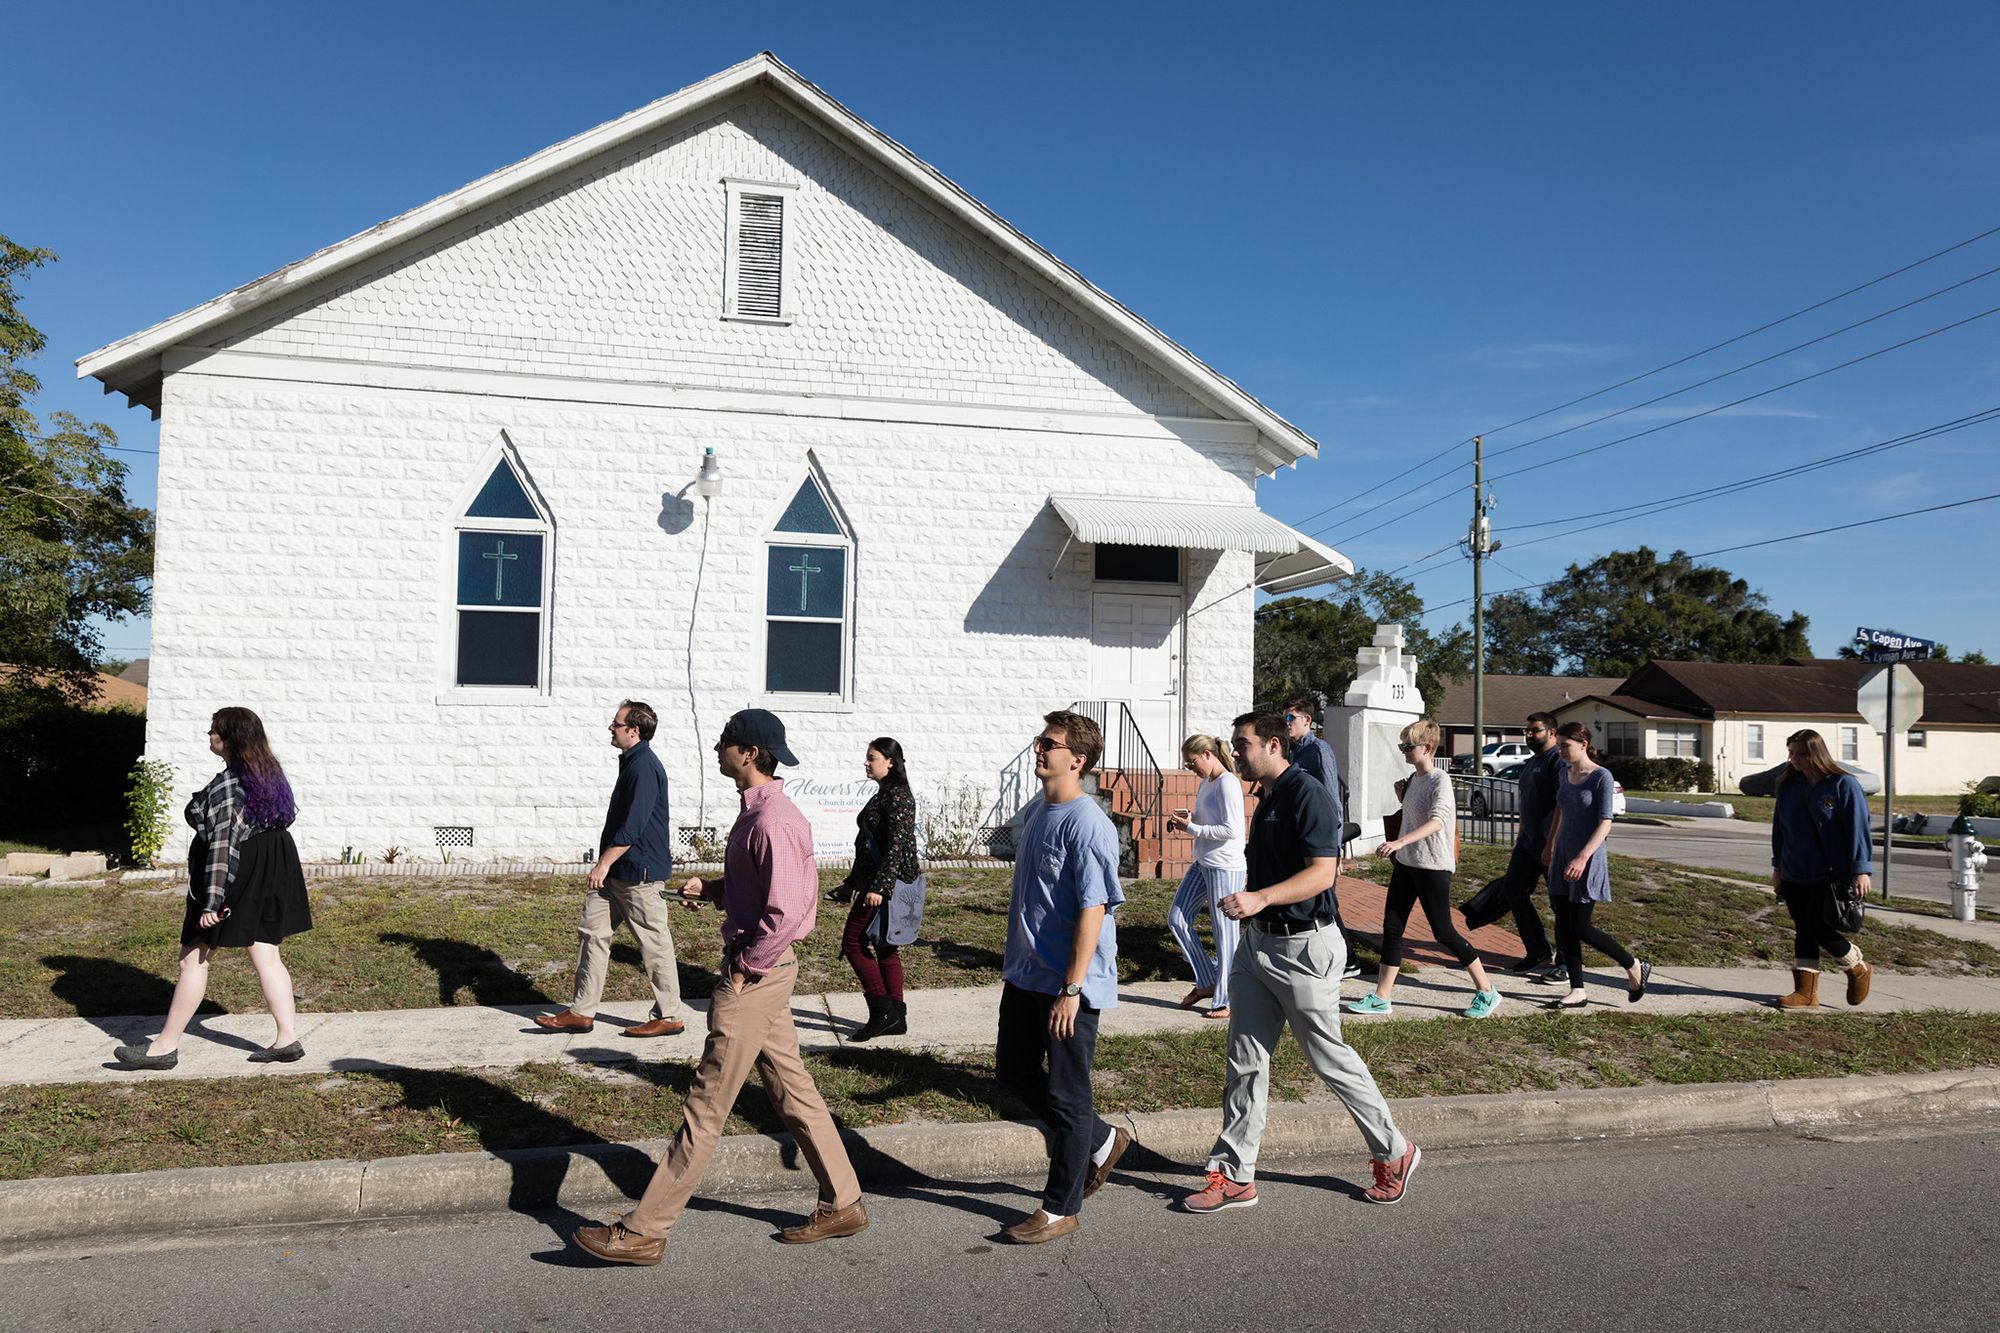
(1196, 996)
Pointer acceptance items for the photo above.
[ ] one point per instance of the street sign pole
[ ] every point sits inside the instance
(1889, 786)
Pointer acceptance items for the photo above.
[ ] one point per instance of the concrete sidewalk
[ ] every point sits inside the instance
(78, 1050)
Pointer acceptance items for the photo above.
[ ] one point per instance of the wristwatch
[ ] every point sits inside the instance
(1071, 989)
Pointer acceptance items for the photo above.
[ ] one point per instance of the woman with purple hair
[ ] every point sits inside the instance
(246, 888)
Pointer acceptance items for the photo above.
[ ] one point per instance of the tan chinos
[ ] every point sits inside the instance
(640, 907)
(749, 1024)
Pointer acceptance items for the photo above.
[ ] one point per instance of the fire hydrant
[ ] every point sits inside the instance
(1968, 858)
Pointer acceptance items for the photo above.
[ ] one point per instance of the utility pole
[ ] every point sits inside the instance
(1480, 540)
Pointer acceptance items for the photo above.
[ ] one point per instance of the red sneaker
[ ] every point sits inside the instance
(1392, 1178)
(1221, 1192)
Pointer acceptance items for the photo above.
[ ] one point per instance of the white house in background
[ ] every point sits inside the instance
(427, 497)
(1736, 715)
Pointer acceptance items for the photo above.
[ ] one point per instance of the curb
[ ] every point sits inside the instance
(597, 1178)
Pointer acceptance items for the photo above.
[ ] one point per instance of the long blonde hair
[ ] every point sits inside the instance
(1200, 744)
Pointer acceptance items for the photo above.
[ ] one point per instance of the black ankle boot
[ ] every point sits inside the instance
(878, 1019)
(895, 1019)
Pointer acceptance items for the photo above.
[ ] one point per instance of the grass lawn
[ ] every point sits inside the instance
(1757, 809)
(400, 943)
(79, 1129)
(1683, 918)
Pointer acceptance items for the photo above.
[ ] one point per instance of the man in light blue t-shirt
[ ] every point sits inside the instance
(1061, 972)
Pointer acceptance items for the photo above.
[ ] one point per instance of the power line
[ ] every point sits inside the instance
(1660, 369)
(1769, 541)
(1625, 513)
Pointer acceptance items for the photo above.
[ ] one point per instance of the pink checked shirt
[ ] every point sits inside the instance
(770, 885)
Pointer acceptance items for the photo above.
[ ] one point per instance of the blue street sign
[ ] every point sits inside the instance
(1882, 645)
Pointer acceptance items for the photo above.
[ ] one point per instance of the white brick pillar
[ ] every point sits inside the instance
(1368, 722)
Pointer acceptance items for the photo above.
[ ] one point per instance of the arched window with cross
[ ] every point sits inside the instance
(808, 594)
(501, 543)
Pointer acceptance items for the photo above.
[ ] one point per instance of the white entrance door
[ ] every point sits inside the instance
(1135, 657)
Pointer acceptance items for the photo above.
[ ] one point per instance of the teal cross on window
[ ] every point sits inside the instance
(498, 555)
(805, 569)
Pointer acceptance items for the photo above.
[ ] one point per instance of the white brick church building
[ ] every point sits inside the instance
(428, 498)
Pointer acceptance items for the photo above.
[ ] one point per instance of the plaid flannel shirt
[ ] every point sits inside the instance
(217, 814)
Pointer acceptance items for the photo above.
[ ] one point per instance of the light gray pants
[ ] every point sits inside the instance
(1280, 979)
(640, 907)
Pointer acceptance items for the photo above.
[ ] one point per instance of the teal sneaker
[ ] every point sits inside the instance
(1484, 1002)
(1371, 1003)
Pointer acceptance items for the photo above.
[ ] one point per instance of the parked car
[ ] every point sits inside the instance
(1503, 754)
(1501, 794)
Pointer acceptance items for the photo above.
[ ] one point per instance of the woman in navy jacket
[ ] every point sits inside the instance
(1820, 844)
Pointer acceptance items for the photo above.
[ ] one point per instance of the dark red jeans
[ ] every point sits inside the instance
(879, 965)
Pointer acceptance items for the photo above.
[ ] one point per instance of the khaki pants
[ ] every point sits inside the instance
(640, 907)
(749, 1023)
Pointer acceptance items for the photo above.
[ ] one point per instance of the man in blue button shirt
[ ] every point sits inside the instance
(635, 859)
(1061, 972)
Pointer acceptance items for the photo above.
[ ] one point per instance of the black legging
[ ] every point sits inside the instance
(1573, 931)
(1432, 888)
(1811, 935)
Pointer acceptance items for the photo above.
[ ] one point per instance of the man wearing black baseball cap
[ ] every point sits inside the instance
(769, 894)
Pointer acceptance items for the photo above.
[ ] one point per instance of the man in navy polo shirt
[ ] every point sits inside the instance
(1287, 970)
(634, 858)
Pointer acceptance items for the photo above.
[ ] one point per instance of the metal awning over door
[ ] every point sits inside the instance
(1287, 560)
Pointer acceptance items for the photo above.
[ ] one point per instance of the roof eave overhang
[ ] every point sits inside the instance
(132, 365)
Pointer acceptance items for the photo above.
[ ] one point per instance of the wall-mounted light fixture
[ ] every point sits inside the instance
(708, 482)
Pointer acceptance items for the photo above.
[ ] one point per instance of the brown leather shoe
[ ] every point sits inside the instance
(827, 1222)
(1120, 1141)
(566, 1021)
(615, 1245)
(657, 1027)
(1034, 1230)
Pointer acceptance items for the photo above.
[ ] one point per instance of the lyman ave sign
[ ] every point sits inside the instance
(1882, 645)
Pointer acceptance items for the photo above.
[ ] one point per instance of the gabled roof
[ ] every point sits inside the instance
(132, 365)
(1509, 699)
(1637, 707)
(1955, 694)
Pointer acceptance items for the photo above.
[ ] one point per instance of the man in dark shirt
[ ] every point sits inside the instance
(1287, 970)
(634, 858)
(1537, 804)
(1316, 758)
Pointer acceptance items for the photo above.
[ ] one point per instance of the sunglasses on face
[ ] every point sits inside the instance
(1405, 746)
(1044, 744)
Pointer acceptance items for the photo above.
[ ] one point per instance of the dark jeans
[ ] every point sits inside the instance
(1811, 935)
(1052, 1079)
(1524, 872)
(1573, 931)
(1432, 888)
(879, 965)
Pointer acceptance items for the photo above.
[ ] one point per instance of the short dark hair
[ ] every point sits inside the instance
(765, 762)
(1301, 705)
(1267, 726)
(641, 716)
(1080, 733)
(1546, 719)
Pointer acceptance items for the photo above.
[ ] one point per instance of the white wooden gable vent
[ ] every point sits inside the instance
(759, 277)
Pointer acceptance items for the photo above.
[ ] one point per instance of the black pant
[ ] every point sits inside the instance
(1573, 931)
(1811, 935)
(1432, 888)
(1524, 872)
(1052, 1079)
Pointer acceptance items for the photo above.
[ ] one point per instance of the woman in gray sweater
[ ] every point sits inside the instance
(1422, 860)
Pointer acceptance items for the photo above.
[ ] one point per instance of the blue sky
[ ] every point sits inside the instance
(1397, 225)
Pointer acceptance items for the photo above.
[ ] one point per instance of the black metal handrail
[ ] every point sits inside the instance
(1148, 783)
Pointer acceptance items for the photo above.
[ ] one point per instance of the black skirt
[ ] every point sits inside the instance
(268, 900)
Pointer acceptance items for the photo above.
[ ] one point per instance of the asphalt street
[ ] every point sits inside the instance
(1731, 844)
(1888, 1227)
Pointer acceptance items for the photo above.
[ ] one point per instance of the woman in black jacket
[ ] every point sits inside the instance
(246, 889)
(885, 852)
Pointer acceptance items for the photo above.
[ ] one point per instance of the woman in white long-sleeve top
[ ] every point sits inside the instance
(1216, 823)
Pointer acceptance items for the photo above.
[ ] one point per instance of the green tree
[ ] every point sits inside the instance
(72, 547)
(1306, 645)
(1622, 610)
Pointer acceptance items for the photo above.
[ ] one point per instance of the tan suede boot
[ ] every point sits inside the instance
(1805, 988)
(1859, 975)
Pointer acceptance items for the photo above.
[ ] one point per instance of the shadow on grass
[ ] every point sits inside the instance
(468, 967)
(107, 988)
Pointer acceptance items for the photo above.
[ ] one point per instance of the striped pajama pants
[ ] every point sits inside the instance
(1201, 889)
